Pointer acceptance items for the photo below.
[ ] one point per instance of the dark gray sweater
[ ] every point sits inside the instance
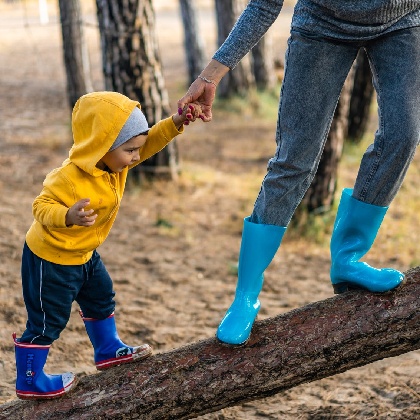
(340, 19)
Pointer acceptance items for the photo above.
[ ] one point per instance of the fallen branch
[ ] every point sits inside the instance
(306, 344)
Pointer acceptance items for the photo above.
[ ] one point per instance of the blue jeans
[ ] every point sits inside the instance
(50, 289)
(315, 71)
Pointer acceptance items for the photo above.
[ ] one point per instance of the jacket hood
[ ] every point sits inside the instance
(97, 119)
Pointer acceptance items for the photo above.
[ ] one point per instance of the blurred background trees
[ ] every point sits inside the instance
(132, 65)
(193, 40)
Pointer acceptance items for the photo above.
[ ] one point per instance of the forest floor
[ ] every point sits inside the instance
(173, 248)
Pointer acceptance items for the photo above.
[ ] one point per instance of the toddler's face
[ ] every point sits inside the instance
(124, 155)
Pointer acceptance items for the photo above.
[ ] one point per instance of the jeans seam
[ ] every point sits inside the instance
(278, 133)
(378, 139)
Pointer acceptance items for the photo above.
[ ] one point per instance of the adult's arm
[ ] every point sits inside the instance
(251, 26)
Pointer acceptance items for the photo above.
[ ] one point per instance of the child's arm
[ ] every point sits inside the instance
(166, 130)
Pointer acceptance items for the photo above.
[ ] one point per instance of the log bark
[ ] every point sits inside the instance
(319, 340)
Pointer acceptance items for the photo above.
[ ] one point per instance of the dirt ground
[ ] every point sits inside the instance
(173, 248)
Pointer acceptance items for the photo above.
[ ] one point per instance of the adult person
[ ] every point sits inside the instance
(325, 38)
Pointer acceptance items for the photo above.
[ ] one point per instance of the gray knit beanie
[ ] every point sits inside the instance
(136, 124)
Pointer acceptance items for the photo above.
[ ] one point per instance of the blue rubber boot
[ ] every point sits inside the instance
(355, 230)
(259, 245)
(31, 381)
(109, 349)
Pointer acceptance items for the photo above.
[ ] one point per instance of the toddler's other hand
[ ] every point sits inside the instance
(77, 215)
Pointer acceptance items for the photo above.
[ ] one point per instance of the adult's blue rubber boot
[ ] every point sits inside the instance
(355, 230)
(109, 350)
(259, 245)
(31, 381)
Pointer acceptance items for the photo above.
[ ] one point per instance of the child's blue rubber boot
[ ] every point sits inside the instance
(355, 230)
(109, 349)
(259, 245)
(31, 381)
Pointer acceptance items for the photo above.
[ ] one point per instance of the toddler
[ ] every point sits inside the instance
(72, 216)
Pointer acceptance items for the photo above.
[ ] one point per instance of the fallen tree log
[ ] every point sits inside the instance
(306, 344)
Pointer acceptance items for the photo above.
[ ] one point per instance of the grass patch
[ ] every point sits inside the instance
(260, 103)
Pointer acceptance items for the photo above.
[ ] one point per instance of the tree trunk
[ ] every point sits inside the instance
(303, 345)
(361, 98)
(132, 66)
(320, 195)
(263, 63)
(193, 43)
(76, 56)
(239, 80)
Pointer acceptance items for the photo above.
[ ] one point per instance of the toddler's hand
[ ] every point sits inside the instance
(187, 114)
(77, 215)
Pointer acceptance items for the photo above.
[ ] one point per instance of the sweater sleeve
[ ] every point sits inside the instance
(51, 205)
(250, 27)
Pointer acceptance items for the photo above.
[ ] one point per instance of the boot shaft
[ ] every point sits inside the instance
(102, 333)
(109, 350)
(356, 225)
(258, 247)
(30, 361)
(31, 381)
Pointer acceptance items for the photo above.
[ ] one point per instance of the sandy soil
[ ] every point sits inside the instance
(174, 245)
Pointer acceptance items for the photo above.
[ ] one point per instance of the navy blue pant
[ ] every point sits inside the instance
(50, 289)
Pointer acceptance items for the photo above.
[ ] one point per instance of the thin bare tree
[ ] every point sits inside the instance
(193, 41)
(263, 63)
(75, 51)
(240, 79)
(361, 98)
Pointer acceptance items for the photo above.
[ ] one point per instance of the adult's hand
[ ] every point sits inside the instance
(202, 93)
(203, 90)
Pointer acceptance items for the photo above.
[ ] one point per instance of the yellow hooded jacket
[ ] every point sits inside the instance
(96, 122)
